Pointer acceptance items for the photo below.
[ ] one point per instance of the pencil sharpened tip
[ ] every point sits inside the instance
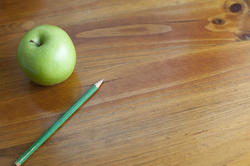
(99, 83)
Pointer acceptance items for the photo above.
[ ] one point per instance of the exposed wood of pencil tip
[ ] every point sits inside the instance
(99, 83)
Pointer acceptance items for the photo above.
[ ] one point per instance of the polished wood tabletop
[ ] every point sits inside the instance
(176, 89)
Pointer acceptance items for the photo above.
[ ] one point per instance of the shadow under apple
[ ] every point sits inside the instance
(57, 98)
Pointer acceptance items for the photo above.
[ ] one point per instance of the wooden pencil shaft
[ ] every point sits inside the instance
(57, 124)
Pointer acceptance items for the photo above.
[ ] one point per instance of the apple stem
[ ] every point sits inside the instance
(37, 44)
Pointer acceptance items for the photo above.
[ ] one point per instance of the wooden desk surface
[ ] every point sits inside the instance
(176, 90)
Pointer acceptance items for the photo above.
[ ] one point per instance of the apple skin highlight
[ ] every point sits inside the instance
(46, 55)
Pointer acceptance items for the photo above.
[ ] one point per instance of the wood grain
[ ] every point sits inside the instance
(176, 90)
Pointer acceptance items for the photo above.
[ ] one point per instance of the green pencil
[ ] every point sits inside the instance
(58, 123)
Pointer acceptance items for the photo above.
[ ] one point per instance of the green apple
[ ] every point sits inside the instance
(47, 55)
